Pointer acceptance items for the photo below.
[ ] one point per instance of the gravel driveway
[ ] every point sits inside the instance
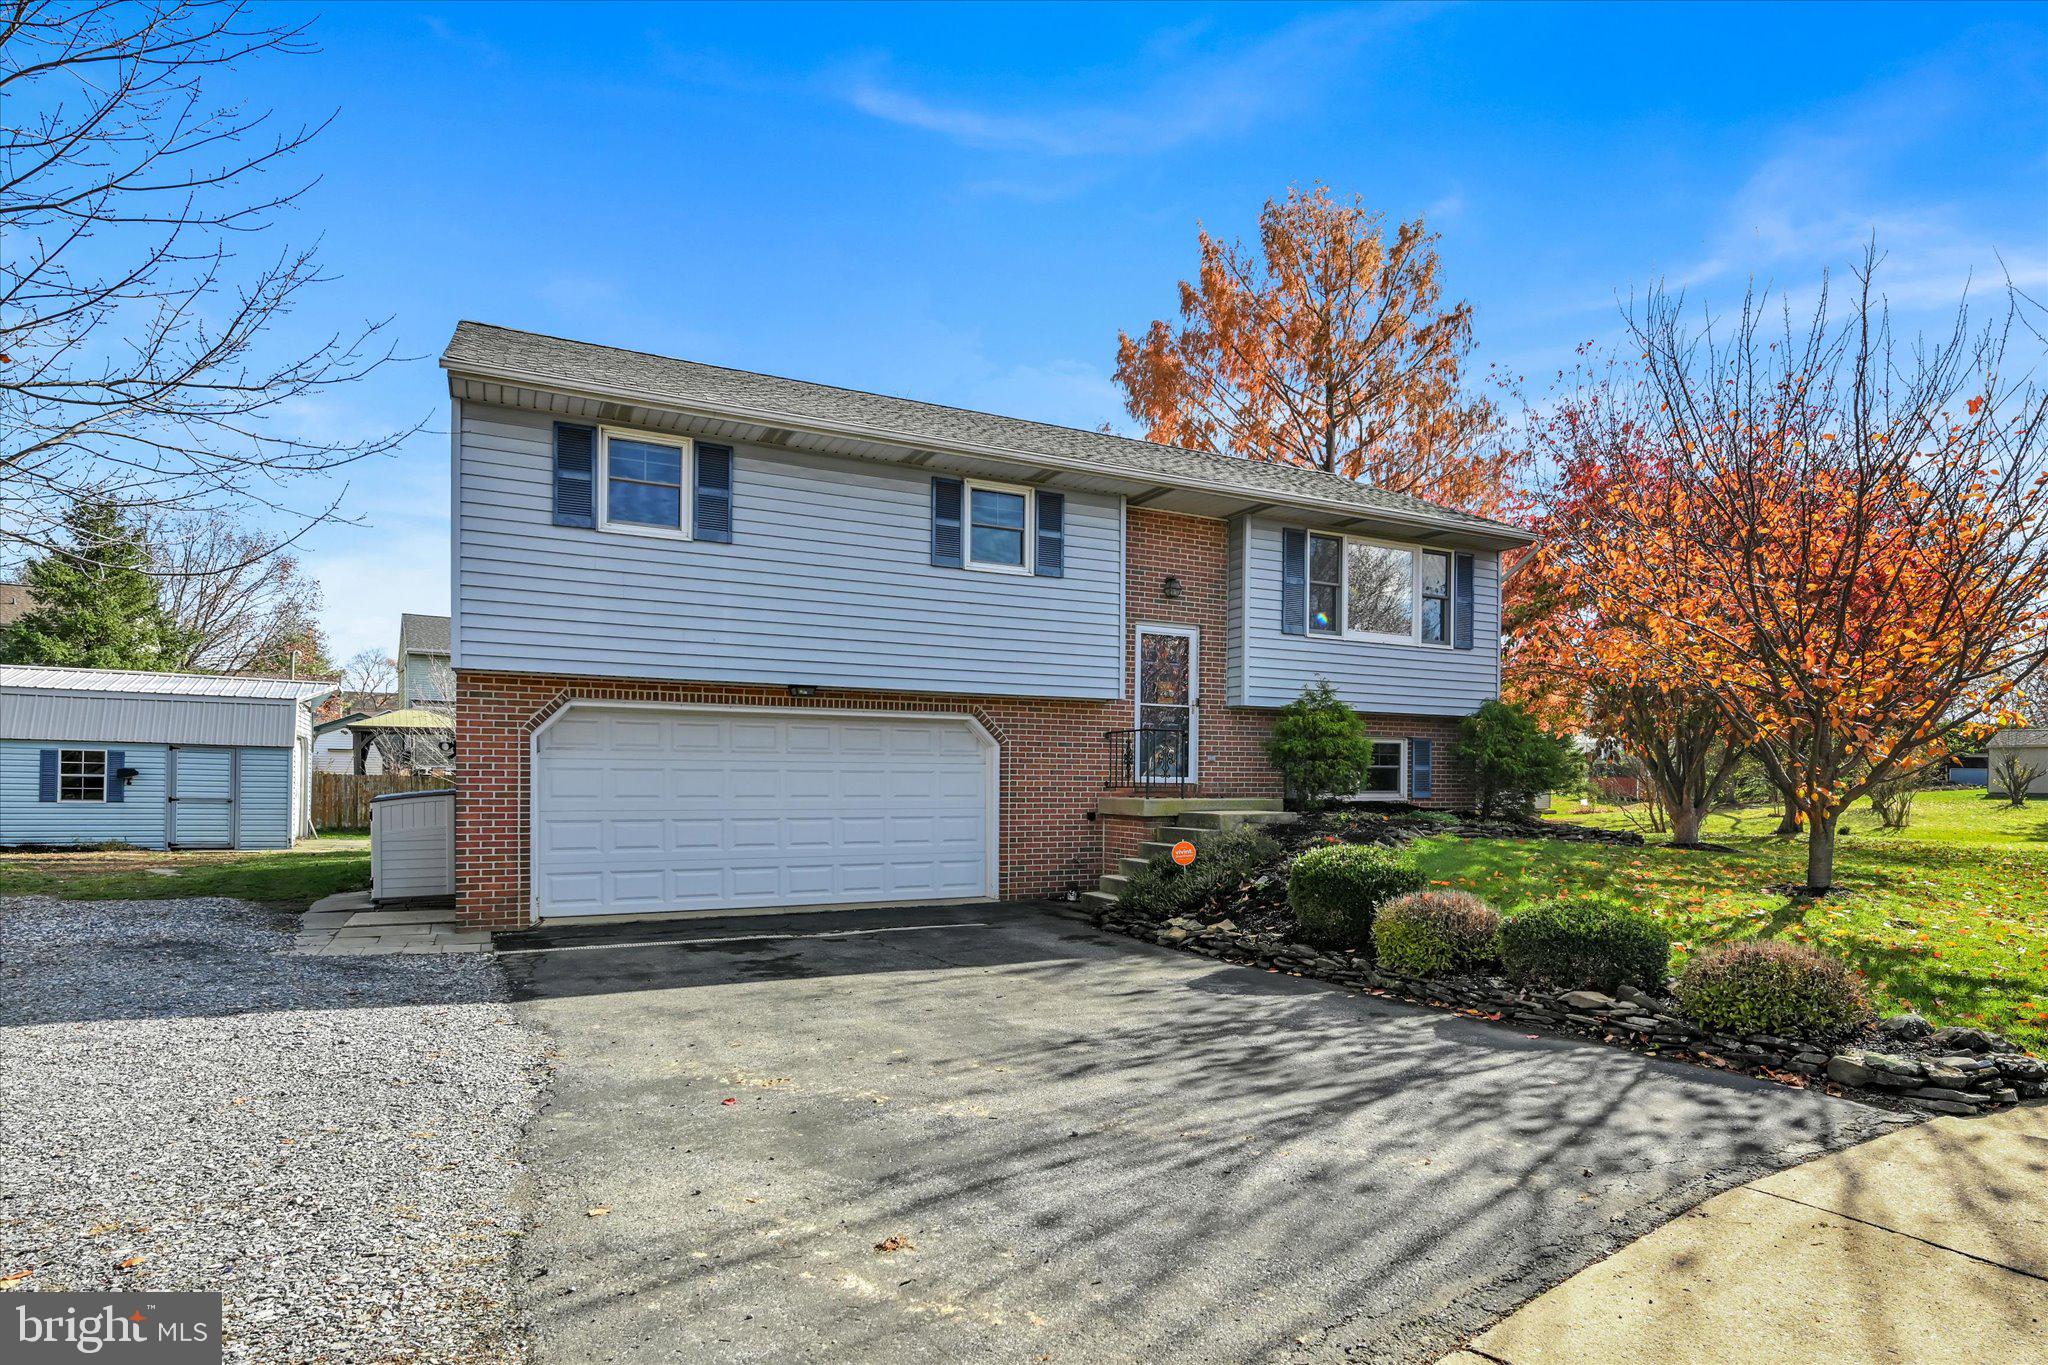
(330, 1141)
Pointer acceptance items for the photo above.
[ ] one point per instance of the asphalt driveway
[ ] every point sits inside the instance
(1079, 1148)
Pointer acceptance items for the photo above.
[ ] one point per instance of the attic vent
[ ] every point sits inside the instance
(615, 412)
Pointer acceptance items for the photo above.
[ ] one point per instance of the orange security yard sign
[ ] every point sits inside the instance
(1183, 853)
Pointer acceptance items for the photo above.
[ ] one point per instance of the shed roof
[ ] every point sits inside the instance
(411, 718)
(2020, 737)
(507, 354)
(40, 677)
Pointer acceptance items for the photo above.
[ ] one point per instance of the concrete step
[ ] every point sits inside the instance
(1231, 819)
(1153, 807)
(1154, 848)
(1112, 882)
(1131, 866)
(1097, 899)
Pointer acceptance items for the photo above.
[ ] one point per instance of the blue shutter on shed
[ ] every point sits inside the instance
(1294, 582)
(713, 517)
(575, 475)
(1461, 602)
(46, 776)
(946, 508)
(1051, 559)
(1421, 768)
(117, 790)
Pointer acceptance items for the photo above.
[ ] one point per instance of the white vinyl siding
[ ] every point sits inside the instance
(1370, 673)
(828, 581)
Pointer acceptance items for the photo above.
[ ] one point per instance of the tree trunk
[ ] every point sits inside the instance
(1685, 826)
(1789, 824)
(1820, 855)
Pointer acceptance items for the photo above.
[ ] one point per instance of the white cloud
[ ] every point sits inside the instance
(1202, 94)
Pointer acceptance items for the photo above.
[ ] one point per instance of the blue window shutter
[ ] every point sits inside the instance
(575, 475)
(1421, 765)
(1052, 535)
(1461, 601)
(46, 776)
(117, 790)
(712, 519)
(947, 496)
(1294, 582)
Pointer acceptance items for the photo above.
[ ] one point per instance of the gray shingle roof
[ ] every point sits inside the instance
(505, 352)
(422, 634)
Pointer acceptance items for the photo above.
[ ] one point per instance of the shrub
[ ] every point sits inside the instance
(1165, 889)
(1335, 889)
(1319, 746)
(1573, 944)
(1425, 933)
(1785, 989)
(1513, 759)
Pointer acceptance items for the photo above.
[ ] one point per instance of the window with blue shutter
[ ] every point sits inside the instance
(1461, 601)
(117, 790)
(947, 496)
(1294, 582)
(1421, 765)
(1051, 558)
(46, 775)
(575, 475)
(713, 520)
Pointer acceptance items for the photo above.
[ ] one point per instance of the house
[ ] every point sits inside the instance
(425, 678)
(727, 640)
(2026, 745)
(158, 760)
(335, 749)
(16, 601)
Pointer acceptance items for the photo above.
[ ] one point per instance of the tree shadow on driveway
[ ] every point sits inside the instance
(1097, 1149)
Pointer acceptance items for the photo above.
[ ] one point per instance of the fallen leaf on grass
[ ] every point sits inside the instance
(889, 1244)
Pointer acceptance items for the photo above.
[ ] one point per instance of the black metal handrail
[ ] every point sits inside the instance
(1151, 757)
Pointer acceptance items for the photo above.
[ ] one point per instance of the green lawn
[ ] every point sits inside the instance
(1948, 916)
(295, 877)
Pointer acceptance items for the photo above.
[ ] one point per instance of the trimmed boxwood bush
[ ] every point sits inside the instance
(1786, 989)
(1581, 944)
(1335, 889)
(1166, 889)
(1425, 933)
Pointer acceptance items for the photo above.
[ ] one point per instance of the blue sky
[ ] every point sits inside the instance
(965, 204)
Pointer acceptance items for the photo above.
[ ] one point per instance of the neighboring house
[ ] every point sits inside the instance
(159, 760)
(425, 676)
(727, 640)
(334, 746)
(2030, 746)
(16, 601)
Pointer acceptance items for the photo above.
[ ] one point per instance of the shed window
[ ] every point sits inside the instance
(81, 774)
(998, 522)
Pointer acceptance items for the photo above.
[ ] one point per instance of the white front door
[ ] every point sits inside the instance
(1167, 674)
(640, 810)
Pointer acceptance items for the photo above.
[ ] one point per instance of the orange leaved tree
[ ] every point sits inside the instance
(1329, 346)
(1581, 657)
(1846, 546)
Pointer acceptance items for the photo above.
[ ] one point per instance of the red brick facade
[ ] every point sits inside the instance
(1053, 760)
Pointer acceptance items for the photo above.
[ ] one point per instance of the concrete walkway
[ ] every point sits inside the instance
(1926, 1245)
(349, 924)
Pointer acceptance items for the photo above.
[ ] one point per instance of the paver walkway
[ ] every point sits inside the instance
(347, 924)
(1927, 1245)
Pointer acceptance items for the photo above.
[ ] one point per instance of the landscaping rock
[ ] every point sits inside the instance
(1586, 1000)
(1902, 1028)
(1968, 1040)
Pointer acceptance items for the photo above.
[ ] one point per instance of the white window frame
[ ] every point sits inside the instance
(106, 776)
(1415, 553)
(1400, 792)
(602, 494)
(1028, 493)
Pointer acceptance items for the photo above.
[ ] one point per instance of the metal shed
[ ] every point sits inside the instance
(157, 760)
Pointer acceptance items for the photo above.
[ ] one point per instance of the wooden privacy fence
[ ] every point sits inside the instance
(342, 800)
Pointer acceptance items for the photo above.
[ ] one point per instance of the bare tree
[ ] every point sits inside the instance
(243, 605)
(137, 201)
(2017, 776)
(367, 680)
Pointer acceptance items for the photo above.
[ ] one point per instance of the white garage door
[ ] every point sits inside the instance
(641, 810)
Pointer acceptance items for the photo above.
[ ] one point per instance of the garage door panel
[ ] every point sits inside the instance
(643, 811)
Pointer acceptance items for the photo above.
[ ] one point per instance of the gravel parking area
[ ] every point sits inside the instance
(330, 1141)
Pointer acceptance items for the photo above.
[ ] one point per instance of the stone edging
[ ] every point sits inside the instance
(1956, 1083)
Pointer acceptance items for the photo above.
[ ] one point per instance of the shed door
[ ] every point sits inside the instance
(646, 810)
(202, 798)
